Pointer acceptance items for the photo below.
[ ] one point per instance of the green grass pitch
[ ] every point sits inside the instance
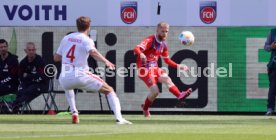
(159, 127)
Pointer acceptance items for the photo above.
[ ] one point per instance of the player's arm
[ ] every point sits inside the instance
(57, 57)
(140, 48)
(98, 56)
(269, 44)
(91, 49)
(170, 62)
(139, 52)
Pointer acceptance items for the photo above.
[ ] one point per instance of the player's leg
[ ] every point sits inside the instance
(112, 99)
(114, 103)
(164, 78)
(95, 83)
(150, 78)
(69, 83)
(154, 91)
(70, 96)
(271, 92)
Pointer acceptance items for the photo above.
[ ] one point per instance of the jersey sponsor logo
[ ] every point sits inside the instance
(129, 11)
(208, 11)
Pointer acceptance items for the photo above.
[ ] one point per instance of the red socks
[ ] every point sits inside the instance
(147, 104)
(175, 91)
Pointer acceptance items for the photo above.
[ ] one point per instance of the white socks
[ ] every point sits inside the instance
(112, 99)
(70, 96)
(115, 105)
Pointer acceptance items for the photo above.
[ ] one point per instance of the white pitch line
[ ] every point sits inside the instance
(44, 136)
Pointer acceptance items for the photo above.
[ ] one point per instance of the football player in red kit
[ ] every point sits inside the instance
(148, 53)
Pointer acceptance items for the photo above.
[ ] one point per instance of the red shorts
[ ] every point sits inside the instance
(150, 75)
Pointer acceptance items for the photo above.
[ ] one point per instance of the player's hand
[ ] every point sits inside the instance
(183, 67)
(143, 58)
(110, 65)
(273, 44)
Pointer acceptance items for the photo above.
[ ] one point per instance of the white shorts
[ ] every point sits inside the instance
(83, 80)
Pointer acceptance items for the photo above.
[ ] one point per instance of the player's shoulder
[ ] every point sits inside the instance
(69, 35)
(151, 37)
(84, 37)
(72, 35)
(148, 39)
(88, 39)
(77, 37)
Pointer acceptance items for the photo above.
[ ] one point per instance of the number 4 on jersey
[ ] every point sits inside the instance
(70, 53)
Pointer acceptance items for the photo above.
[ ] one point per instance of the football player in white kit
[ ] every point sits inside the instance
(73, 52)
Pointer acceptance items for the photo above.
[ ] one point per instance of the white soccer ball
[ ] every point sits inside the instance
(187, 38)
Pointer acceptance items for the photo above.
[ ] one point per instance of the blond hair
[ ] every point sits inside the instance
(162, 24)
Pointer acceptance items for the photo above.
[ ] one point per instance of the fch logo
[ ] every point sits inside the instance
(208, 11)
(128, 11)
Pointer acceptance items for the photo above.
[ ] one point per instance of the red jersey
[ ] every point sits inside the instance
(152, 48)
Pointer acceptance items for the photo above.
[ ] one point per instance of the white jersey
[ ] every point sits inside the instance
(74, 49)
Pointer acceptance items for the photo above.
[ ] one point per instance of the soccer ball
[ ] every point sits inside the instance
(187, 38)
